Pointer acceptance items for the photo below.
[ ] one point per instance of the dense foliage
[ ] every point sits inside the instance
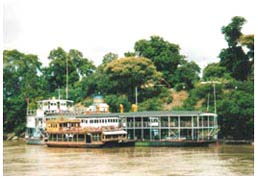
(235, 91)
(155, 68)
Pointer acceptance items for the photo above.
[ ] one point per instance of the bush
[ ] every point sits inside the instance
(153, 104)
(169, 99)
(114, 100)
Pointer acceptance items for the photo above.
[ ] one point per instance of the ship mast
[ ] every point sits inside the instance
(67, 77)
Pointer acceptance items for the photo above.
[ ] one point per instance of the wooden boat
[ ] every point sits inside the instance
(69, 133)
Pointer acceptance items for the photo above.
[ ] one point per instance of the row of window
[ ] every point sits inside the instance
(203, 123)
(169, 118)
(99, 121)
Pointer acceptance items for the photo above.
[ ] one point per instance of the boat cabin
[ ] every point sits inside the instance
(70, 133)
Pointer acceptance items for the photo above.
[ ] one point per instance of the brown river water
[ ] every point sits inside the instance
(21, 159)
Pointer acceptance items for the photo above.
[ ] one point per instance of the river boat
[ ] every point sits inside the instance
(161, 128)
(70, 133)
(150, 128)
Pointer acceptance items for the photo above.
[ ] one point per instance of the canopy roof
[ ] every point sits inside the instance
(114, 132)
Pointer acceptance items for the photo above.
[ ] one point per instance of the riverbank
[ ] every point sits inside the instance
(236, 142)
(13, 137)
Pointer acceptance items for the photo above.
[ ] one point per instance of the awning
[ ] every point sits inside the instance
(114, 132)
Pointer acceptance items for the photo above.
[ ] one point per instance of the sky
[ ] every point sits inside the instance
(97, 27)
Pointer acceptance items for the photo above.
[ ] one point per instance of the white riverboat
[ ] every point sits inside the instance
(36, 119)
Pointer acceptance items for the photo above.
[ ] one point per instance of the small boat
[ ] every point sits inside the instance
(70, 133)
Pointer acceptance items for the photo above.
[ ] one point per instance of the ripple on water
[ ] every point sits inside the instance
(22, 159)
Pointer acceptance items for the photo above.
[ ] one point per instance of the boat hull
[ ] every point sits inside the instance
(35, 141)
(90, 145)
(173, 143)
(119, 144)
(73, 144)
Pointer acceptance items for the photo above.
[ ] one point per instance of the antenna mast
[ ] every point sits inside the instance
(208, 102)
(136, 95)
(66, 77)
(58, 92)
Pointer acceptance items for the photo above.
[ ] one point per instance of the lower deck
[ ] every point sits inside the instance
(158, 126)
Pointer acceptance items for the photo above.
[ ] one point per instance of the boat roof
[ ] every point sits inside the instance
(146, 114)
(55, 100)
(161, 113)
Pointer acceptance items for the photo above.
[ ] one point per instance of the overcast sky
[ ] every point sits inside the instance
(97, 27)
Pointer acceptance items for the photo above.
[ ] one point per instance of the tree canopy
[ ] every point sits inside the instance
(131, 72)
(165, 55)
(21, 82)
(234, 58)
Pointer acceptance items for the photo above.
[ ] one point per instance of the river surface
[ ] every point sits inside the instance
(21, 159)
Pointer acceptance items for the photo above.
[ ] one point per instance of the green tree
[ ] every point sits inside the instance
(109, 57)
(127, 73)
(215, 70)
(84, 67)
(234, 58)
(129, 54)
(115, 100)
(187, 74)
(21, 81)
(78, 67)
(248, 41)
(152, 104)
(57, 69)
(236, 111)
(164, 55)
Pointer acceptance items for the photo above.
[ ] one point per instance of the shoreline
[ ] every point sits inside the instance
(14, 137)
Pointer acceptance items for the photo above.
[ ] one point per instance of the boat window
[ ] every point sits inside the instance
(59, 137)
(96, 137)
(54, 136)
(81, 137)
(186, 121)
(195, 122)
(105, 121)
(205, 121)
(173, 121)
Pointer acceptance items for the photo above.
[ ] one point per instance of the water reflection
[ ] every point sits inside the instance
(22, 159)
